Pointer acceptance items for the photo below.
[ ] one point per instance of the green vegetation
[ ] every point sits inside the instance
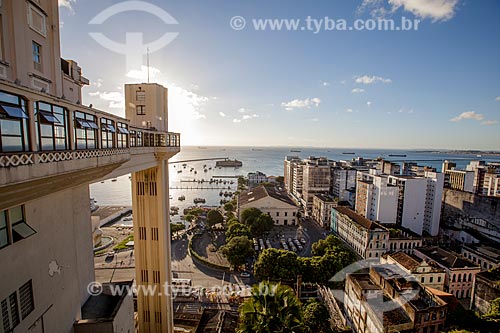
(316, 318)
(237, 230)
(494, 312)
(271, 308)
(189, 217)
(462, 320)
(214, 217)
(121, 245)
(229, 206)
(242, 183)
(175, 228)
(202, 259)
(258, 222)
(237, 250)
(330, 257)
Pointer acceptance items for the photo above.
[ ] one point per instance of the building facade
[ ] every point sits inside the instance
(316, 180)
(367, 238)
(51, 148)
(270, 201)
(486, 289)
(322, 207)
(343, 183)
(460, 272)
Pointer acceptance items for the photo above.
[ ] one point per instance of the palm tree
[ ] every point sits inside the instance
(272, 308)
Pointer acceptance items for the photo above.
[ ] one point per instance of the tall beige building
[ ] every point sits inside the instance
(51, 148)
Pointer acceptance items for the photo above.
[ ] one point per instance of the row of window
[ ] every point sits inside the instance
(52, 129)
(17, 306)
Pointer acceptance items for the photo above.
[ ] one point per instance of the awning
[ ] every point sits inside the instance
(123, 130)
(111, 128)
(82, 123)
(13, 111)
(92, 124)
(49, 117)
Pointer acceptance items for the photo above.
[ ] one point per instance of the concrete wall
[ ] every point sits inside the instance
(458, 204)
(58, 259)
(276, 209)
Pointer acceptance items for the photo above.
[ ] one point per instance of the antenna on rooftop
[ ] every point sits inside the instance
(148, 63)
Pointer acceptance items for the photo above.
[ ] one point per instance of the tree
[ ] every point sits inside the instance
(261, 224)
(175, 228)
(214, 217)
(237, 230)
(249, 215)
(271, 308)
(189, 217)
(237, 250)
(232, 221)
(316, 318)
(228, 207)
(329, 243)
(277, 265)
(280, 180)
(230, 216)
(494, 312)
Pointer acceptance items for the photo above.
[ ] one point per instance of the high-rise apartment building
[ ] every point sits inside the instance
(343, 183)
(316, 179)
(51, 148)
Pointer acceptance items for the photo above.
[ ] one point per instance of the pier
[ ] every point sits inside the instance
(200, 188)
(200, 159)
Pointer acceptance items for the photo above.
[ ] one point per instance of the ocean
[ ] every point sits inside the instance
(268, 160)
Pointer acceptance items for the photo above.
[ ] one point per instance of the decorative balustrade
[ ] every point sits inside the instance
(157, 139)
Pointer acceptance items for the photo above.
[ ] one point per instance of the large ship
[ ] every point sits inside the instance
(229, 163)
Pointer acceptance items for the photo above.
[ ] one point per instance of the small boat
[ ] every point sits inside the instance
(397, 155)
(232, 182)
(181, 198)
(295, 150)
(221, 193)
(114, 180)
(205, 170)
(199, 200)
(180, 171)
(348, 153)
(210, 168)
(195, 172)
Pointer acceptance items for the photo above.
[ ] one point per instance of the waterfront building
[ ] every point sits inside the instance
(388, 168)
(460, 272)
(461, 180)
(51, 148)
(255, 178)
(344, 184)
(486, 289)
(321, 211)
(428, 273)
(289, 166)
(316, 180)
(270, 201)
(367, 238)
(491, 184)
(407, 306)
(376, 198)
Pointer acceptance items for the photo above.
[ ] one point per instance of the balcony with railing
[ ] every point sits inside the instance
(45, 140)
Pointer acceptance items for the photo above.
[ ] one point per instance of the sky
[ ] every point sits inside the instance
(436, 87)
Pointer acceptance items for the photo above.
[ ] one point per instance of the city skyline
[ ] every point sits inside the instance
(434, 88)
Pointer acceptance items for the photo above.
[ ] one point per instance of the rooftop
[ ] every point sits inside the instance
(325, 198)
(409, 261)
(261, 192)
(491, 251)
(446, 258)
(104, 306)
(360, 220)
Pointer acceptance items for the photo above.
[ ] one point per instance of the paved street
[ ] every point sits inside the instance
(313, 233)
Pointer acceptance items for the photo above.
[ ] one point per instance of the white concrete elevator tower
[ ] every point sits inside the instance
(147, 106)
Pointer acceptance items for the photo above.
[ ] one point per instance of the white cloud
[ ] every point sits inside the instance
(242, 110)
(314, 120)
(142, 74)
(348, 110)
(497, 99)
(236, 120)
(247, 116)
(489, 122)
(369, 103)
(366, 79)
(325, 83)
(115, 99)
(67, 4)
(468, 115)
(197, 115)
(357, 91)
(437, 10)
(93, 94)
(301, 103)
(222, 114)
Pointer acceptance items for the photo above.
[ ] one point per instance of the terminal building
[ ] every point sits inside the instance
(51, 148)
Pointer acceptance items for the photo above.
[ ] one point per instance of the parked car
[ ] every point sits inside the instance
(245, 274)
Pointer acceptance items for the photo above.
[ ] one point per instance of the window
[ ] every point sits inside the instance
(277, 213)
(140, 110)
(13, 123)
(286, 213)
(37, 56)
(13, 227)
(37, 20)
(439, 279)
(107, 133)
(10, 315)
(52, 126)
(85, 130)
(1, 37)
(26, 302)
(431, 279)
(122, 135)
(140, 95)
